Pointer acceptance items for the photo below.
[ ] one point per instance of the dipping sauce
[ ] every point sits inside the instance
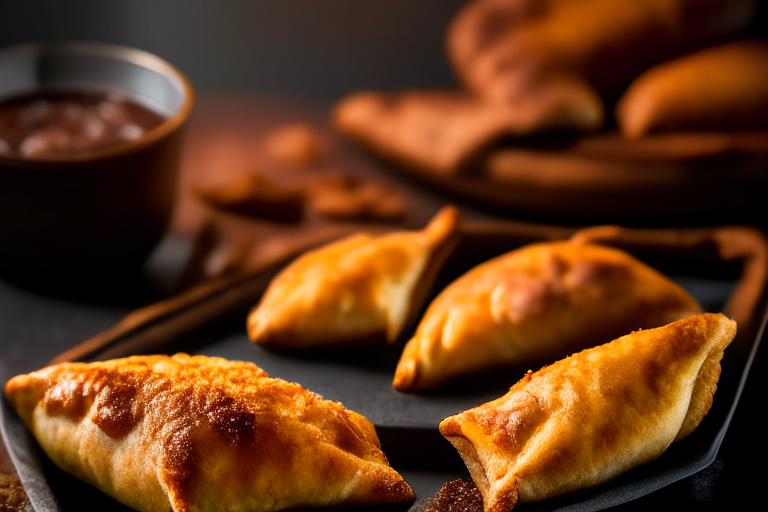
(55, 123)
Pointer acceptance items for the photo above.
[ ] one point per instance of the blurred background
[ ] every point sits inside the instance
(315, 49)
(320, 52)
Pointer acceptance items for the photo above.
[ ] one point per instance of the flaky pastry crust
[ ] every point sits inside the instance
(536, 304)
(360, 290)
(590, 417)
(195, 433)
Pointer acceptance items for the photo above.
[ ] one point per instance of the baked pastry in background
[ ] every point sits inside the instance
(536, 304)
(442, 131)
(590, 417)
(529, 68)
(360, 290)
(505, 50)
(186, 434)
(720, 88)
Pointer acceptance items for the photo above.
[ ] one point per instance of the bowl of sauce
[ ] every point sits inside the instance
(60, 123)
(90, 145)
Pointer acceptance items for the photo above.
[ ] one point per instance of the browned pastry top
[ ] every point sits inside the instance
(594, 415)
(536, 304)
(194, 412)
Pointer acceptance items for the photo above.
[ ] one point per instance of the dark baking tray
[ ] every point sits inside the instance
(407, 423)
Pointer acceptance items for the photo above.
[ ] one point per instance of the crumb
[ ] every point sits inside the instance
(342, 197)
(256, 196)
(295, 144)
(460, 495)
(13, 498)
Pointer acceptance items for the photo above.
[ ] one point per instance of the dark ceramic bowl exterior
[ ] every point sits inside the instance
(97, 214)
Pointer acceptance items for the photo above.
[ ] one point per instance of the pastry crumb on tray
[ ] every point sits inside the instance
(460, 495)
(296, 144)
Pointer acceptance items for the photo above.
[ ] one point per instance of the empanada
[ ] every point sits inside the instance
(720, 88)
(187, 434)
(444, 132)
(593, 416)
(537, 303)
(504, 50)
(360, 290)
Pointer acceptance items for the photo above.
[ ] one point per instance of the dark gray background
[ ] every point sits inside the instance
(318, 49)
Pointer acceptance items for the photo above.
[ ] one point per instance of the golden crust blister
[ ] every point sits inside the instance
(360, 290)
(590, 417)
(536, 304)
(187, 433)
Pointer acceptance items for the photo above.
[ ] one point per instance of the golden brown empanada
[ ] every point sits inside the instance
(187, 434)
(592, 416)
(362, 289)
(536, 303)
(720, 88)
(505, 49)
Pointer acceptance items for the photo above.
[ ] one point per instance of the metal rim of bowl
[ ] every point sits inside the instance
(119, 52)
